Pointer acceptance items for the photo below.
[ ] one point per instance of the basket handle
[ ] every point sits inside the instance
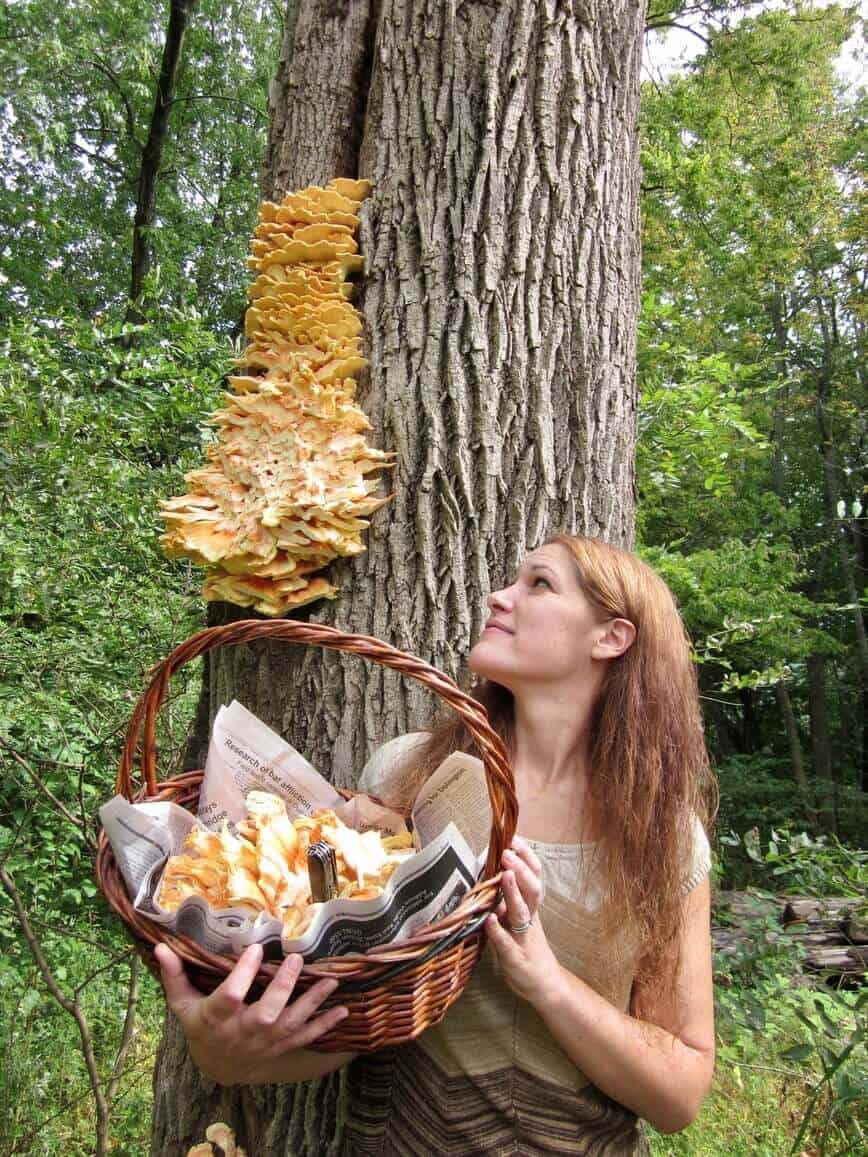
(498, 774)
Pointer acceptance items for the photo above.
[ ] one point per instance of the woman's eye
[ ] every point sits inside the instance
(539, 579)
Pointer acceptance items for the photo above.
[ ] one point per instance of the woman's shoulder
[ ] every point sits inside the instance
(387, 757)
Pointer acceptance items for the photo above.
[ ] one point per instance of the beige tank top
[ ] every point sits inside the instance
(490, 1078)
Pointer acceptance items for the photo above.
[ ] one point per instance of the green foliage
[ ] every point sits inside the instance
(79, 80)
(695, 436)
(98, 424)
(752, 427)
(93, 436)
(756, 792)
(791, 1061)
(749, 469)
(836, 1045)
(741, 609)
(45, 1104)
(795, 862)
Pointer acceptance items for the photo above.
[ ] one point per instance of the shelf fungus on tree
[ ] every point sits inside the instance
(287, 487)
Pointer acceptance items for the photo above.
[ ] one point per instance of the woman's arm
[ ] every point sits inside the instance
(661, 1065)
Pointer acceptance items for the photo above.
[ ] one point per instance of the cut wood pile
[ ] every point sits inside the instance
(830, 930)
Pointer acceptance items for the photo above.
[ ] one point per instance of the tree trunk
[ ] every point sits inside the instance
(751, 719)
(318, 98)
(840, 528)
(821, 746)
(500, 299)
(714, 709)
(152, 154)
(797, 759)
(777, 306)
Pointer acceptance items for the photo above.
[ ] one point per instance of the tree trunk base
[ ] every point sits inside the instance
(268, 1120)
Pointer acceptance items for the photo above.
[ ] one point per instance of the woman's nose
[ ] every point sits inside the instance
(500, 600)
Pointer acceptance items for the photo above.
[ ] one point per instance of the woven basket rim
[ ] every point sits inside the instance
(361, 970)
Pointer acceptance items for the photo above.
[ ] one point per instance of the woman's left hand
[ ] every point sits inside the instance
(526, 960)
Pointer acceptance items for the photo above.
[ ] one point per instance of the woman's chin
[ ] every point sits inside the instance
(487, 664)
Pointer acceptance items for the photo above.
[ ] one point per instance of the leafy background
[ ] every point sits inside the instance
(751, 469)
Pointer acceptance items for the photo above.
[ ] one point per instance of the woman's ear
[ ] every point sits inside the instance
(617, 637)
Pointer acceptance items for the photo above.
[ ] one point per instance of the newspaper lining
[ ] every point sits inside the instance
(451, 825)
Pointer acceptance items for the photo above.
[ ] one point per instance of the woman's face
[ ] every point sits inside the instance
(541, 628)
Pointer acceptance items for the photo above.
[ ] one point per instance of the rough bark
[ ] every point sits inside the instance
(152, 154)
(500, 299)
(317, 100)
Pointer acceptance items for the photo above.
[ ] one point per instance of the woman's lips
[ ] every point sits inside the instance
(498, 627)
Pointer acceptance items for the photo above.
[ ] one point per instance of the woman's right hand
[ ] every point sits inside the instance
(237, 1043)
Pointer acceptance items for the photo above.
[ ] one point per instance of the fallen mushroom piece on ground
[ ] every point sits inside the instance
(220, 1143)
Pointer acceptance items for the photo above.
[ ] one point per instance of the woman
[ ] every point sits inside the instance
(592, 1005)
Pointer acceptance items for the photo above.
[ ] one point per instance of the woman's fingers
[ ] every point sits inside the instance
(529, 882)
(303, 1007)
(517, 910)
(501, 941)
(526, 853)
(280, 988)
(316, 1028)
(229, 996)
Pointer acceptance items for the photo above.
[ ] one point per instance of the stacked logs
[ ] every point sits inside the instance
(835, 939)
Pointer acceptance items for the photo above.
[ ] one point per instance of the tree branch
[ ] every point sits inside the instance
(152, 154)
(113, 165)
(67, 933)
(11, 848)
(112, 76)
(46, 790)
(127, 1034)
(71, 1006)
(681, 28)
(67, 1105)
(219, 96)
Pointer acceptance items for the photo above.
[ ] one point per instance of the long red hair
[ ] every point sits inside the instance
(649, 771)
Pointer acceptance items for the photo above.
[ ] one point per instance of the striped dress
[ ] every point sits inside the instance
(489, 1079)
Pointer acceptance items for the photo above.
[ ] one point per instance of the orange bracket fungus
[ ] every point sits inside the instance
(286, 488)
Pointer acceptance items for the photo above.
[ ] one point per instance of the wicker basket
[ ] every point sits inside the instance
(393, 993)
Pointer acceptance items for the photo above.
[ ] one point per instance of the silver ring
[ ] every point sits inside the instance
(520, 929)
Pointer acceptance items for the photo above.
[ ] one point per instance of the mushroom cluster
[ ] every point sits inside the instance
(263, 867)
(220, 1143)
(286, 488)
